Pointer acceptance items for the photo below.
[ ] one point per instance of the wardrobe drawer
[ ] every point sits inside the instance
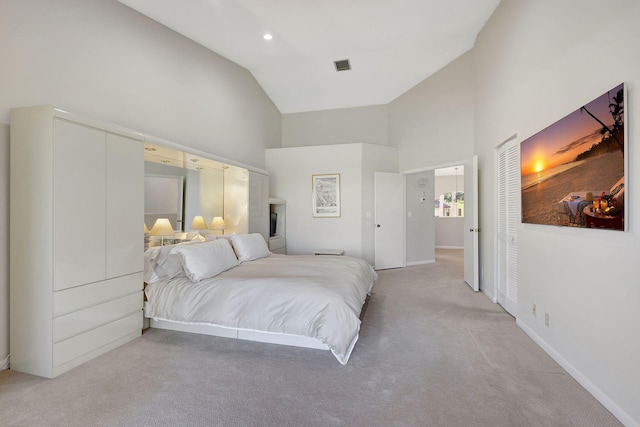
(76, 346)
(74, 299)
(89, 318)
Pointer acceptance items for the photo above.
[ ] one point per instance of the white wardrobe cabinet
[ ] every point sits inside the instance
(76, 239)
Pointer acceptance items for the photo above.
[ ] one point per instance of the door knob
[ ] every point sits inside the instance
(378, 225)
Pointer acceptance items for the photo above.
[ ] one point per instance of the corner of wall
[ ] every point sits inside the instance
(4, 245)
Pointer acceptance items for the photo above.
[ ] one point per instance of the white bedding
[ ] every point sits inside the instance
(315, 296)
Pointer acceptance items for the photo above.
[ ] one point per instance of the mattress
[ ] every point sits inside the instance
(313, 296)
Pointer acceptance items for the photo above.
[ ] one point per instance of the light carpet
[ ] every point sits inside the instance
(431, 353)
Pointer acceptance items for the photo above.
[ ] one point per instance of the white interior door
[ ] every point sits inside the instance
(471, 264)
(389, 220)
(508, 218)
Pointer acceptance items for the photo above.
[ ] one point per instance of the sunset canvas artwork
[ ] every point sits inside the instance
(573, 172)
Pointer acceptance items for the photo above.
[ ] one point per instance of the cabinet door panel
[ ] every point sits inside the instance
(125, 205)
(79, 207)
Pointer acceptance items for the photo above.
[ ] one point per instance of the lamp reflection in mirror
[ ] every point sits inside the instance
(162, 228)
(198, 223)
(218, 224)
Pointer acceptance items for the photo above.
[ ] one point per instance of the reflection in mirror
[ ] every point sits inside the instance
(163, 197)
(202, 187)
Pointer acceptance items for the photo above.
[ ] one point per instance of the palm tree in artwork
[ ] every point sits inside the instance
(616, 108)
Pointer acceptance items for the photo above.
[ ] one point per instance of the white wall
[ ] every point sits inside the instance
(102, 60)
(535, 63)
(4, 244)
(432, 124)
(340, 126)
(105, 61)
(290, 172)
(450, 232)
(420, 221)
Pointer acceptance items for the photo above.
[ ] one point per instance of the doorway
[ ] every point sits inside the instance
(449, 207)
(464, 220)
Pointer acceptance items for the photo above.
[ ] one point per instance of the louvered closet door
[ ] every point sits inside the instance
(508, 218)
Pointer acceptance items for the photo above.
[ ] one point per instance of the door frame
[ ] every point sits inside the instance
(426, 169)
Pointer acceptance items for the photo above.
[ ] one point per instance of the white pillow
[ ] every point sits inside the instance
(250, 246)
(149, 275)
(161, 264)
(206, 259)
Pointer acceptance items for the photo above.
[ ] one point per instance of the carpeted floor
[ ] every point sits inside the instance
(431, 353)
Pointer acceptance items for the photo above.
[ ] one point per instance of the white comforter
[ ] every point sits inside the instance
(314, 296)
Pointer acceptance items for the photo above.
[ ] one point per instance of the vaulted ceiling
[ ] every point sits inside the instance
(391, 45)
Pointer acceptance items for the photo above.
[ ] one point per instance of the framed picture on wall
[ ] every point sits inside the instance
(573, 173)
(325, 198)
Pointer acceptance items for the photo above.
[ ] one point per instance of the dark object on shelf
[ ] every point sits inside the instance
(274, 220)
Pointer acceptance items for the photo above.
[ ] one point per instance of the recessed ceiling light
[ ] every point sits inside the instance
(267, 36)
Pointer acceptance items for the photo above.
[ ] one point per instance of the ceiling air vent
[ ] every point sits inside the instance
(342, 65)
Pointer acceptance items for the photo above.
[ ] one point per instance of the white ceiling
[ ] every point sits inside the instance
(391, 45)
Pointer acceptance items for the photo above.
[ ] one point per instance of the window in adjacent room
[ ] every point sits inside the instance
(450, 202)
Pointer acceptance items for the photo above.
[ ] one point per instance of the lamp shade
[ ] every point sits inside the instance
(162, 227)
(198, 223)
(217, 223)
(146, 230)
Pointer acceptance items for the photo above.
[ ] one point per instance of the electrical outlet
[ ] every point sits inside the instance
(533, 310)
(546, 319)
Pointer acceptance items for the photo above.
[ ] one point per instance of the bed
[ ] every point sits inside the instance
(234, 287)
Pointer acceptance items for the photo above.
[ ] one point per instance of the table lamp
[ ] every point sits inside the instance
(198, 223)
(162, 228)
(218, 224)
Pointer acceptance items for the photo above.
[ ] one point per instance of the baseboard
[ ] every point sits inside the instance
(431, 261)
(600, 396)
(4, 364)
(487, 294)
(449, 247)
